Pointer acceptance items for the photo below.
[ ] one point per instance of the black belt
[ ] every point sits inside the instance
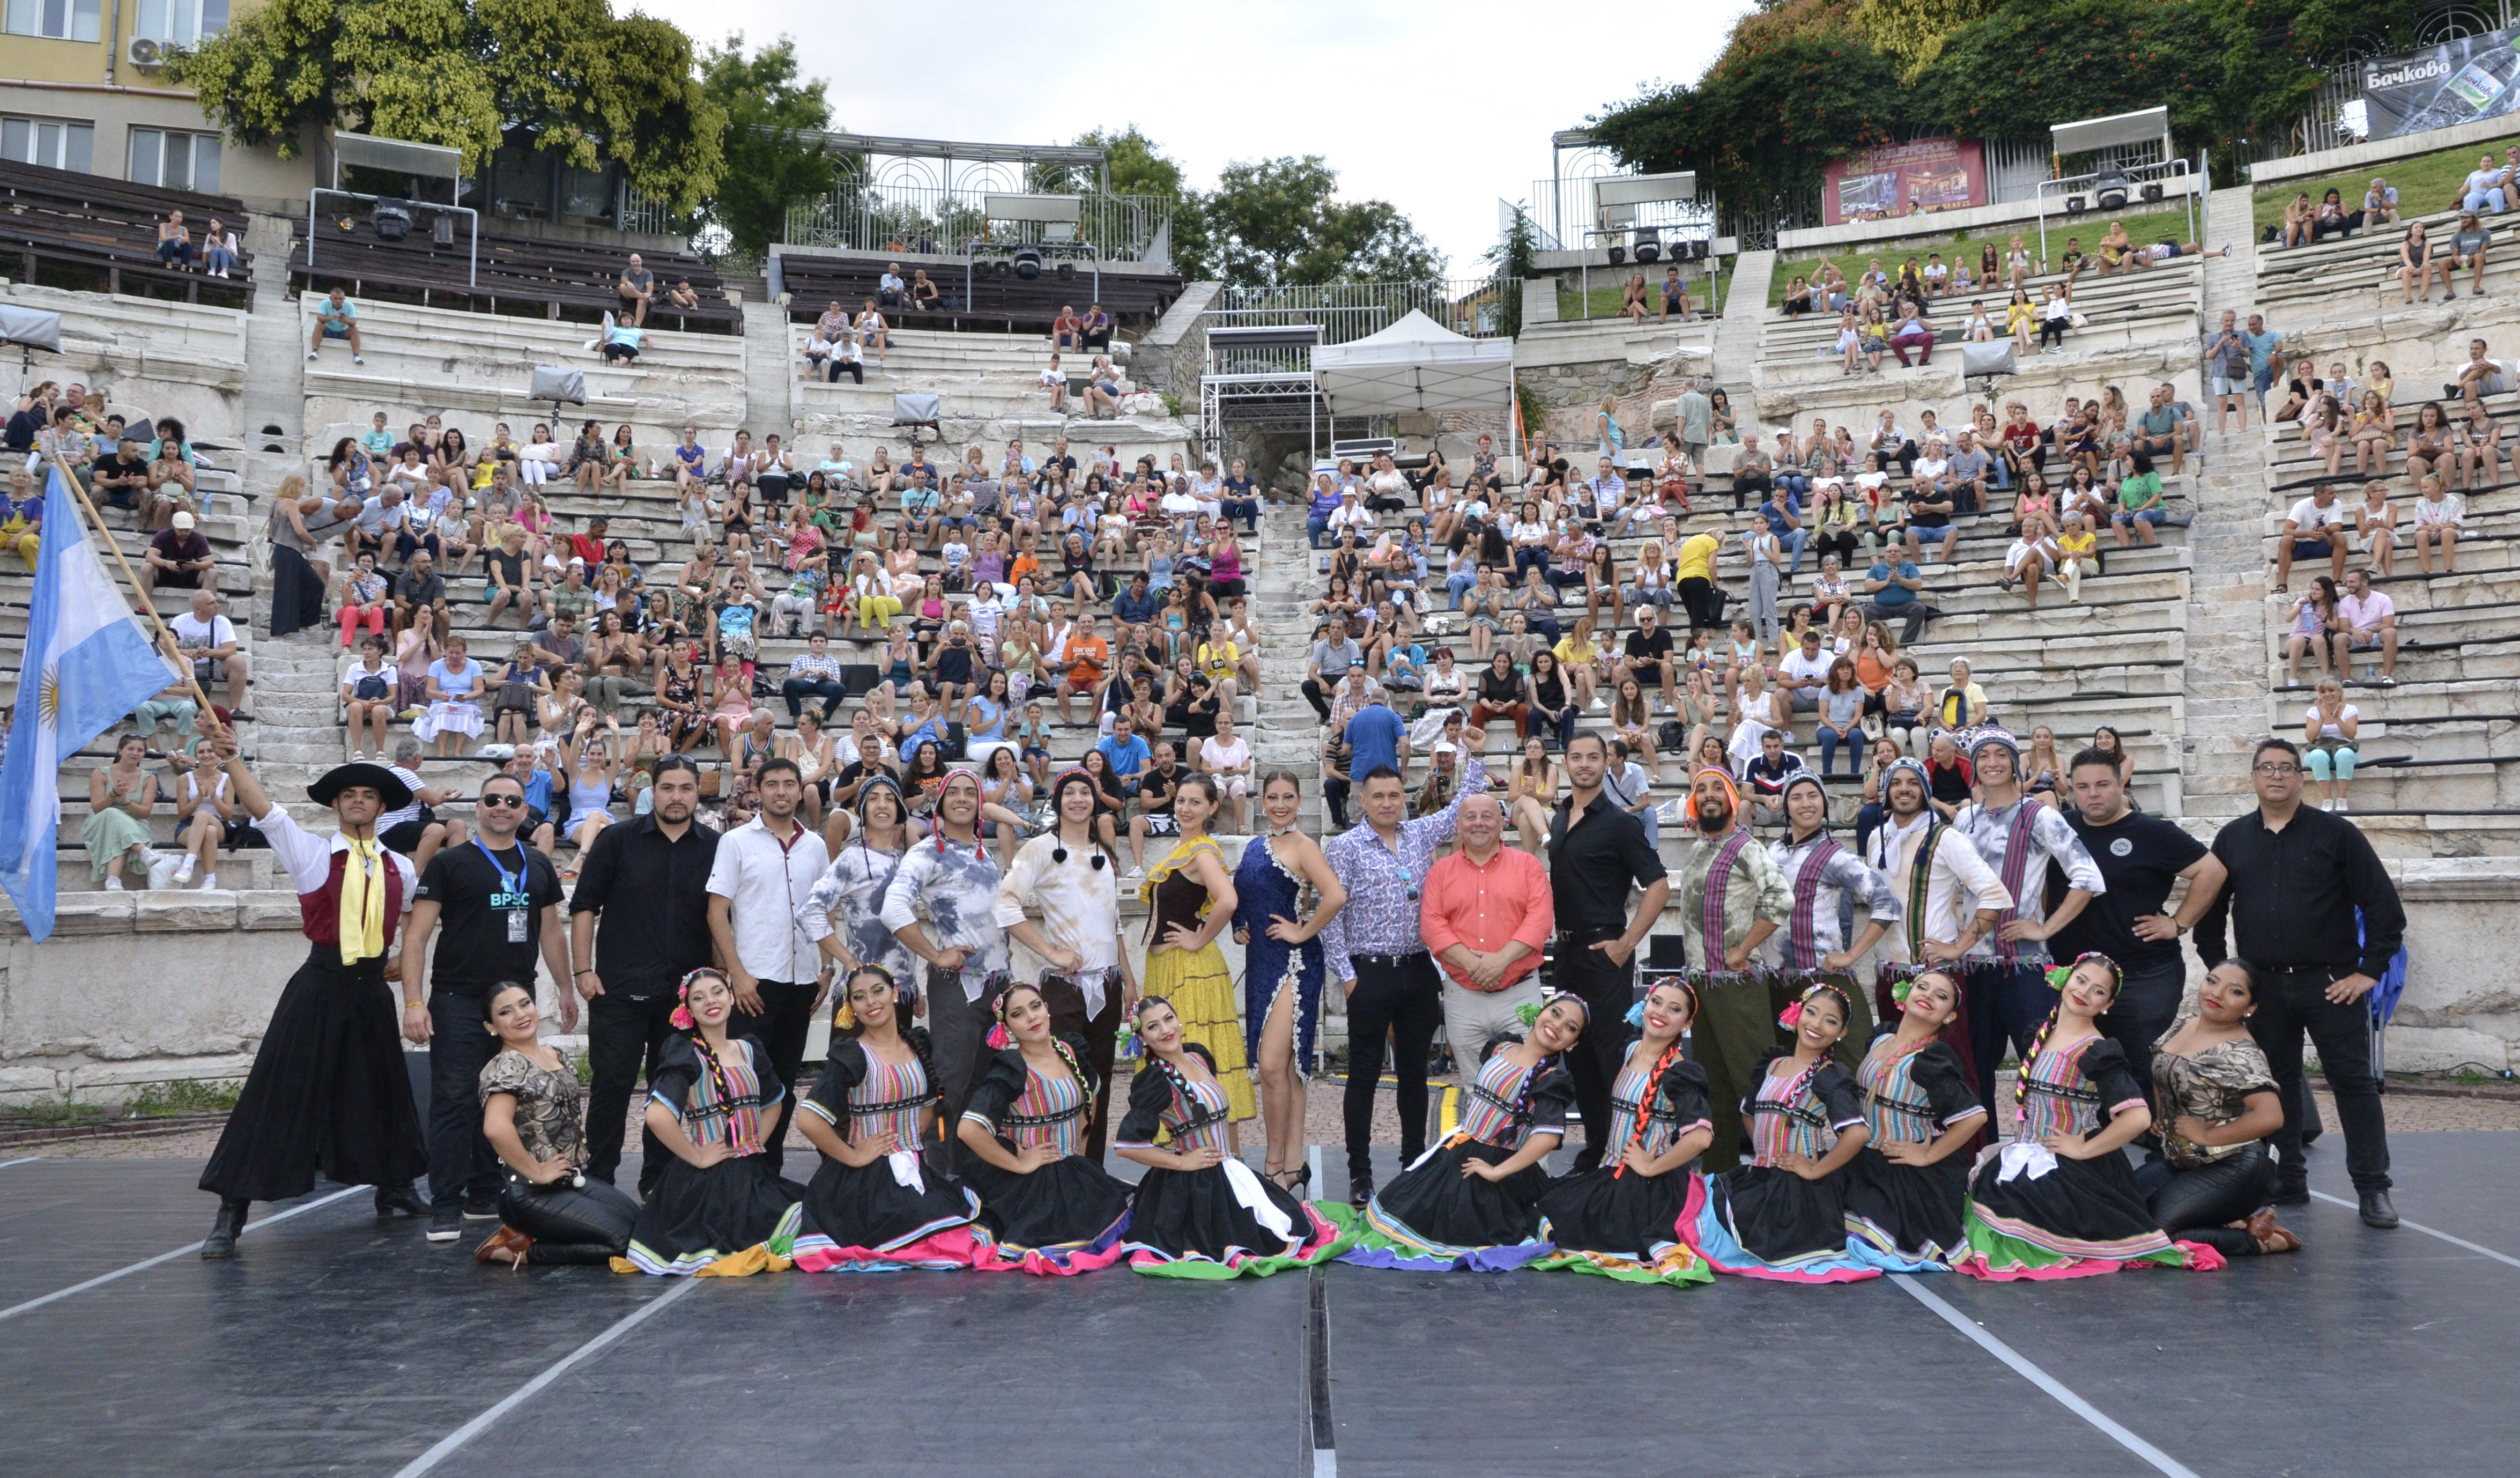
(1597, 932)
(1390, 962)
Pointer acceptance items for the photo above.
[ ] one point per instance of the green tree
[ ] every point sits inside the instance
(1514, 259)
(1766, 118)
(2029, 66)
(1913, 31)
(1136, 166)
(773, 156)
(1275, 222)
(563, 73)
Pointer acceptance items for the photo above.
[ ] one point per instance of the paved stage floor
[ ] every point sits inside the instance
(336, 1345)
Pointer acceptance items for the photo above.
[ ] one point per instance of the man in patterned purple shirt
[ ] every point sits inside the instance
(1375, 953)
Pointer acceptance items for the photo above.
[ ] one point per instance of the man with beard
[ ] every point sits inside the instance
(327, 1088)
(1949, 898)
(942, 905)
(2007, 991)
(1597, 851)
(1809, 950)
(1731, 898)
(656, 869)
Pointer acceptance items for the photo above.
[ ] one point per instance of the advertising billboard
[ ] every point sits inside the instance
(1914, 178)
(2456, 82)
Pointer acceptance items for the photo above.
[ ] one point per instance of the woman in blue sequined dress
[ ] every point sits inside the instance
(1282, 975)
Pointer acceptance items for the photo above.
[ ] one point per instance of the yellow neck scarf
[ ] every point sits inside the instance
(363, 903)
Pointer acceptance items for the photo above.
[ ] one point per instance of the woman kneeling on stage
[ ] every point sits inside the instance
(885, 1197)
(1052, 1209)
(1201, 1211)
(2212, 1179)
(1908, 1184)
(1784, 1215)
(1622, 1219)
(1473, 1202)
(713, 1102)
(548, 1213)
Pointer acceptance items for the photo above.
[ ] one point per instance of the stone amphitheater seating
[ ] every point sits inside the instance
(93, 232)
(2360, 270)
(2156, 303)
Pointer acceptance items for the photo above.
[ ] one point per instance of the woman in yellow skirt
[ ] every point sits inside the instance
(1193, 892)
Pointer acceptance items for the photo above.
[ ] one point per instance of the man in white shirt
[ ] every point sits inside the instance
(1961, 894)
(890, 292)
(763, 873)
(208, 641)
(2008, 994)
(2313, 530)
(2479, 376)
(1804, 673)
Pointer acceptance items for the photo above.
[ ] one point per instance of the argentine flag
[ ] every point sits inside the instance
(86, 666)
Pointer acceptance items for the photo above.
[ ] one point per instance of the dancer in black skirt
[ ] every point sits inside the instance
(1905, 1189)
(1473, 1202)
(1784, 1215)
(885, 1197)
(327, 1088)
(1199, 1211)
(713, 1102)
(1623, 1216)
(532, 1115)
(2059, 1200)
(1052, 1209)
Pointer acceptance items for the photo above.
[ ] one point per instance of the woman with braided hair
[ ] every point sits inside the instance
(2059, 1200)
(1473, 1202)
(1052, 1209)
(1622, 1219)
(1907, 1186)
(1782, 1216)
(885, 1198)
(1201, 1211)
(713, 1102)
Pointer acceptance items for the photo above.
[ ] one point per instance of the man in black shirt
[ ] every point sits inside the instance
(1649, 659)
(1596, 853)
(124, 476)
(657, 869)
(2298, 875)
(499, 901)
(2140, 856)
(1155, 816)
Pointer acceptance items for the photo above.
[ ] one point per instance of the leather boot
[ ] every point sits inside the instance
(222, 1240)
(402, 1198)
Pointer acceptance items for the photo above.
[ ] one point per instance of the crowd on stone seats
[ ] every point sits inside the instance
(1593, 590)
(1018, 608)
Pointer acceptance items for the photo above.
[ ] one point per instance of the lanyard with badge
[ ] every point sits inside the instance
(512, 892)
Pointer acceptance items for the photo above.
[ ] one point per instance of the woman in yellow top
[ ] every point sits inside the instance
(2021, 319)
(2077, 554)
(1581, 660)
(1191, 891)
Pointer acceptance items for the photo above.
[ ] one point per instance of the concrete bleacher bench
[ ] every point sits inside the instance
(93, 229)
(2128, 308)
(564, 279)
(2363, 264)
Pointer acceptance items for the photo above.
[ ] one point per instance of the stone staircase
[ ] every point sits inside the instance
(2225, 678)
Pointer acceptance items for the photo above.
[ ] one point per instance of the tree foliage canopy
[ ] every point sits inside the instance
(462, 72)
(772, 160)
(1805, 81)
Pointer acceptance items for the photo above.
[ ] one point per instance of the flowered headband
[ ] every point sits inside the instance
(1792, 1016)
(1904, 986)
(999, 1039)
(682, 1016)
(1529, 1011)
(2058, 975)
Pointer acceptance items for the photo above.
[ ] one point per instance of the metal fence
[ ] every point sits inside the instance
(863, 217)
(1472, 307)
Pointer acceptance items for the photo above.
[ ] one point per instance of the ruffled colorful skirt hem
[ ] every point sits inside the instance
(1327, 1238)
(2002, 1250)
(1708, 1234)
(1061, 1259)
(1660, 1258)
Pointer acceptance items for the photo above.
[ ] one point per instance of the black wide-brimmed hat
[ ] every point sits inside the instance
(340, 777)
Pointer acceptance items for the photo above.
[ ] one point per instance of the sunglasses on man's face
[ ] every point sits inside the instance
(516, 801)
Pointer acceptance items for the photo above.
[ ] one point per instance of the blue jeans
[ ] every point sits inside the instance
(1794, 539)
(1315, 525)
(1245, 508)
(2482, 199)
(1828, 743)
(1459, 581)
(1795, 484)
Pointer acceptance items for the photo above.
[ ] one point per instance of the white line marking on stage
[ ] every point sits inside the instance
(1325, 1464)
(273, 1221)
(2456, 1241)
(2021, 1367)
(28, 1160)
(448, 1445)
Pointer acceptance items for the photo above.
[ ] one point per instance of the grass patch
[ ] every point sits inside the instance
(1610, 286)
(183, 1096)
(2425, 184)
(1963, 245)
(57, 1113)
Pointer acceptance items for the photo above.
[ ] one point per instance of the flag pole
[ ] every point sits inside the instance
(173, 649)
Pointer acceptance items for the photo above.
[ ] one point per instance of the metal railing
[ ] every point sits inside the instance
(946, 221)
(1348, 312)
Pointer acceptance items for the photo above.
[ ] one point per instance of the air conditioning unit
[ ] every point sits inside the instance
(145, 50)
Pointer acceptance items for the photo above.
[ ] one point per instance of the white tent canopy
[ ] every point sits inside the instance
(1415, 365)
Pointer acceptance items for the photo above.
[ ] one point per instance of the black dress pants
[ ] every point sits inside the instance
(2295, 1001)
(1608, 989)
(1403, 998)
(787, 1015)
(625, 1035)
(461, 1164)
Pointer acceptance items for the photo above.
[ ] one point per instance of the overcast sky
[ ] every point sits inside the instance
(1440, 110)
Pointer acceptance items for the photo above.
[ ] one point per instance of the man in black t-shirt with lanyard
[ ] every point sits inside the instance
(2140, 857)
(499, 901)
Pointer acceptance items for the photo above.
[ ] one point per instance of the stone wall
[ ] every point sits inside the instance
(1173, 354)
(2460, 1006)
